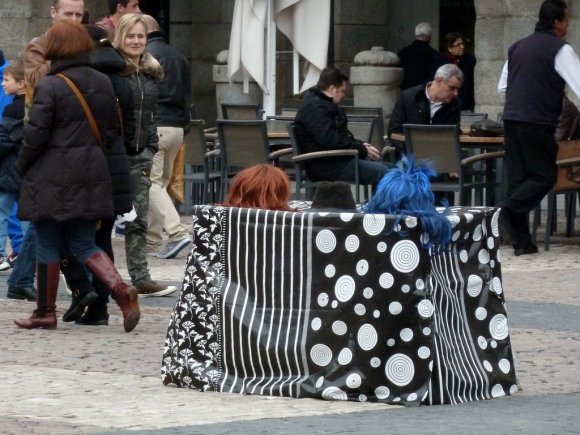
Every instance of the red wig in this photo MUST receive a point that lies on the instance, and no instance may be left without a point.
(260, 186)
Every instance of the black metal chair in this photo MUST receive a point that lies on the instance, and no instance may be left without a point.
(299, 158)
(201, 168)
(442, 146)
(242, 143)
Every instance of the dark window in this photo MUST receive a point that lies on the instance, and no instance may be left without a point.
(158, 10)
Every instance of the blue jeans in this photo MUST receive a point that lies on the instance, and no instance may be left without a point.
(368, 172)
(16, 229)
(7, 200)
(23, 273)
(78, 234)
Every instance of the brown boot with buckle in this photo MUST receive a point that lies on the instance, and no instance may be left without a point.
(44, 316)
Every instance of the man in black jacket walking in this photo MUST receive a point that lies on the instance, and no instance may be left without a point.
(321, 125)
(172, 118)
(416, 59)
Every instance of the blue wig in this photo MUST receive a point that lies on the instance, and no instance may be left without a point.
(406, 191)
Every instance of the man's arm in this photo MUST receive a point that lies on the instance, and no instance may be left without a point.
(322, 128)
(398, 117)
(502, 85)
(568, 66)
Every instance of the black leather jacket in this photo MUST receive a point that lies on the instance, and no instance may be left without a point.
(145, 90)
(322, 125)
(175, 89)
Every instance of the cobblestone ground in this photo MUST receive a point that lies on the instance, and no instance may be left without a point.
(99, 379)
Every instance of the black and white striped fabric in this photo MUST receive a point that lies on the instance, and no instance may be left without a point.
(339, 306)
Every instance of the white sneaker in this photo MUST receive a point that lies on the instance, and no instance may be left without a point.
(173, 248)
(4, 264)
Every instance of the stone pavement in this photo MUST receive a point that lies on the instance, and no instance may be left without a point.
(101, 380)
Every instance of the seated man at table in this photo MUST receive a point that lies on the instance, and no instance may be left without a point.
(435, 102)
(321, 125)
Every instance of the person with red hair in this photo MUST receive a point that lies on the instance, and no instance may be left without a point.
(260, 186)
(66, 184)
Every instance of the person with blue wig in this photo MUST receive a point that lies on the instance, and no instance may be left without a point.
(406, 191)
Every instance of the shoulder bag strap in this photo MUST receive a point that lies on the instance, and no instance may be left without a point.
(86, 108)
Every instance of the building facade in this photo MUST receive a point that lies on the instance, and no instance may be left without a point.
(201, 29)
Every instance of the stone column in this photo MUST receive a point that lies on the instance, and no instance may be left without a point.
(232, 93)
(375, 79)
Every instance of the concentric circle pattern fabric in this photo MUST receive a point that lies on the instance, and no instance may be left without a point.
(340, 307)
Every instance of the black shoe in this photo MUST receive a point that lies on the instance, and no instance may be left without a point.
(22, 293)
(78, 304)
(94, 318)
(505, 227)
(530, 248)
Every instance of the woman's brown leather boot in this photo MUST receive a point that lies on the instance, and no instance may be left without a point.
(126, 296)
(44, 316)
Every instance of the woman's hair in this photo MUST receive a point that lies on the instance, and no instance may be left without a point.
(16, 70)
(451, 37)
(406, 191)
(66, 39)
(126, 23)
(260, 186)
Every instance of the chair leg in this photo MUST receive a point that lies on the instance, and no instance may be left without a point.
(549, 220)
(570, 213)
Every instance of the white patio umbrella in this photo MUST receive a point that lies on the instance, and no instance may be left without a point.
(253, 41)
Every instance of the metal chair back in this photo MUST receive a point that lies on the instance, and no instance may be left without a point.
(200, 169)
(378, 135)
(288, 112)
(241, 111)
(438, 143)
(242, 144)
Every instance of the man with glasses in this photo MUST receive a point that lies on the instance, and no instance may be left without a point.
(435, 102)
(456, 43)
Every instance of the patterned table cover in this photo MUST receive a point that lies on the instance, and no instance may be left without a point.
(341, 306)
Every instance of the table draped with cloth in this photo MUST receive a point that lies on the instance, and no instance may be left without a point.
(341, 306)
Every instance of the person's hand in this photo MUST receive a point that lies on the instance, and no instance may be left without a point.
(372, 152)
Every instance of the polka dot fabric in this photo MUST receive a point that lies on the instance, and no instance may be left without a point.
(341, 306)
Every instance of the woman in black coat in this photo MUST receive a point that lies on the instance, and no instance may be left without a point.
(95, 295)
(66, 187)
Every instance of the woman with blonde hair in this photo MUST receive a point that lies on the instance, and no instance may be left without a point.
(66, 187)
(142, 72)
(260, 186)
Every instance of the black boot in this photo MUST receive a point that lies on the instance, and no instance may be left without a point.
(44, 316)
(83, 293)
(96, 313)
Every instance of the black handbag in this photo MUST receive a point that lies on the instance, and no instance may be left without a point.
(486, 127)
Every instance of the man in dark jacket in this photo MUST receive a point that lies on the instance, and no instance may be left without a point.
(416, 59)
(533, 78)
(321, 125)
(433, 103)
(172, 118)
